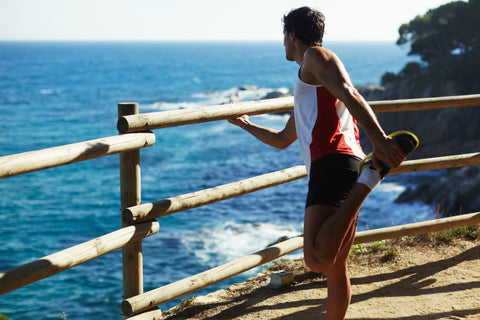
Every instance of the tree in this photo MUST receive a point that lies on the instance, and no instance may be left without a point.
(443, 32)
(447, 39)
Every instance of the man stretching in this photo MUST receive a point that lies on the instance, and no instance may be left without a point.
(326, 109)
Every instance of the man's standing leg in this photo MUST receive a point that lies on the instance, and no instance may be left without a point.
(327, 229)
(338, 281)
(329, 233)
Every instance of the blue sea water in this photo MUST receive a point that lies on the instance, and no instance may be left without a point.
(64, 92)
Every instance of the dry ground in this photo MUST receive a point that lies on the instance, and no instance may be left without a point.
(423, 277)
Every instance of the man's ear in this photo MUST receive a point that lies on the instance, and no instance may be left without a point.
(293, 37)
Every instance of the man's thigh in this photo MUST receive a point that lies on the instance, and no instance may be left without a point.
(315, 216)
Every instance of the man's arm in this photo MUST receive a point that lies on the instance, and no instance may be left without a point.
(321, 66)
(280, 139)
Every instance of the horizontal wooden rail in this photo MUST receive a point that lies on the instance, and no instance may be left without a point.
(188, 285)
(149, 211)
(418, 228)
(177, 289)
(153, 210)
(26, 162)
(425, 103)
(445, 162)
(68, 258)
(172, 118)
(148, 315)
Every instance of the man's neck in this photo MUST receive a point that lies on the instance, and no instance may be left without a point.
(301, 53)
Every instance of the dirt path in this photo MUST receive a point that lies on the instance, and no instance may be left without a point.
(408, 279)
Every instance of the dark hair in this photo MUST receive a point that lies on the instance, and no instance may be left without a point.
(307, 24)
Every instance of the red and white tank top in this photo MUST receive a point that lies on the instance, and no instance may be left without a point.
(323, 123)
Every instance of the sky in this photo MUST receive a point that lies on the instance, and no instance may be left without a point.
(217, 20)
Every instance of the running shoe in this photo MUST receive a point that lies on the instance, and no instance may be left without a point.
(407, 142)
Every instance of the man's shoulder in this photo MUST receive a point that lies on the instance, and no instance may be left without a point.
(319, 54)
(318, 59)
(318, 62)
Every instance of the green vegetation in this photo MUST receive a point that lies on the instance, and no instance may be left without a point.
(383, 250)
(374, 247)
(447, 39)
(388, 250)
(186, 302)
(278, 264)
(378, 245)
(468, 233)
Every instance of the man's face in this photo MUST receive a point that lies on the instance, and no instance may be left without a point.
(289, 47)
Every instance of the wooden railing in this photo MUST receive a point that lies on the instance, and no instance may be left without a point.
(138, 220)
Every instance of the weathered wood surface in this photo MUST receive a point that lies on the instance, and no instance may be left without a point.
(425, 103)
(148, 315)
(165, 119)
(192, 200)
(436, 163)
(31, 161)
(130, 195)
(177, 289)
(417, 228)
(152, 210)
(68, 258)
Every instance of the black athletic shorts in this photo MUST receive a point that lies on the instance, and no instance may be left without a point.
(332, 178)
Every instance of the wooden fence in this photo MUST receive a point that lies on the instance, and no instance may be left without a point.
(138, 220)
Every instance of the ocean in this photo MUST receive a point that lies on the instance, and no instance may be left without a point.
(55, 93)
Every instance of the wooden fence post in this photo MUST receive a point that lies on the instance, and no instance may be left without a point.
(130, 194)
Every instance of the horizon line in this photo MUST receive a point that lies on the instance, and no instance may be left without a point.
(183, 40)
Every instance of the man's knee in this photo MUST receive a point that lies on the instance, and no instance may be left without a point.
(318, 263)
